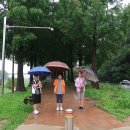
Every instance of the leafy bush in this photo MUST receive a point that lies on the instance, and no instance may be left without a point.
(8, 83)
(70, 84)
(111, 98)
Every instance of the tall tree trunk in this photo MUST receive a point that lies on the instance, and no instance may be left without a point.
(31, 66)
(31, 76)
(71, 63)
(13, 72)
(72, 75)
(80, 54)
(64, 73)
(94, 49)
(94, 44)
(20, 80)
(35, 61)
(69, 77)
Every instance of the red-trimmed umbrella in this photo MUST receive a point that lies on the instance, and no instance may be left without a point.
(57, 66)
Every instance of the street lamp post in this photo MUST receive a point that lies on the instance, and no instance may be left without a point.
(3, 54)
(3, 48)
(8, 26)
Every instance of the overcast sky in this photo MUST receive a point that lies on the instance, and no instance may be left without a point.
(126, 1)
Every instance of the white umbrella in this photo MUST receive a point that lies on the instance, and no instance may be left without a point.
(87, 73)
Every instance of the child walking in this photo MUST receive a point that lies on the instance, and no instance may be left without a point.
(59, 90)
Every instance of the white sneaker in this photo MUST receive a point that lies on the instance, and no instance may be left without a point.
(61, 108)
(57, 108)
(36, 112)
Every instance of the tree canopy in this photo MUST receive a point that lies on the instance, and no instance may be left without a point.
(87, 33)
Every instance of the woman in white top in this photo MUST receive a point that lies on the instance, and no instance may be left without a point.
(36, 94)
(80, 83)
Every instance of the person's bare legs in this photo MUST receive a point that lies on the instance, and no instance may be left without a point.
(61, 102)
(38, 107)
(81, 102)
(34, 106)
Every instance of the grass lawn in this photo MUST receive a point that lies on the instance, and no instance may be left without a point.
(13, 110)
(112, 99)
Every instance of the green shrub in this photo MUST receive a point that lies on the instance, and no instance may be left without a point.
(8, 83)
(70, 84)
(111, 98)
(122, 103)
(13, 110)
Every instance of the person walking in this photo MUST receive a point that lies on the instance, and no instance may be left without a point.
(36, 93)
(80, 83)
(59, 90)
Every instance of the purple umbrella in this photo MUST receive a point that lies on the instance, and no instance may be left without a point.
(87, 73)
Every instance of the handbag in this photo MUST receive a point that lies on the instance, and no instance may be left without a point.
(37, 91)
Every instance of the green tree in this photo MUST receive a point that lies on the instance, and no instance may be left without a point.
(21, 13)
(117, 69)
(87, 32)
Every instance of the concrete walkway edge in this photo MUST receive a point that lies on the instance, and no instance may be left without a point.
(41, 127)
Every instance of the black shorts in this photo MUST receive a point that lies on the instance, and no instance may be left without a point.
(36, 99)
(59, 98)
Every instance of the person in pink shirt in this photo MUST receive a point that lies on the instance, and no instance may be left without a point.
(80, 83)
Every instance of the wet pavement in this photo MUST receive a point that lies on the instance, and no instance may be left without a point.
(90, 118)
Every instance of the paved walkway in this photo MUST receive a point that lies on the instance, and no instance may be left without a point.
(41, 127)
(90, 118)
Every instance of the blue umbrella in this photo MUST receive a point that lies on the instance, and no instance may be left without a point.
(40, 70)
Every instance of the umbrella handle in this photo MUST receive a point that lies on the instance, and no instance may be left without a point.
(88, 75)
